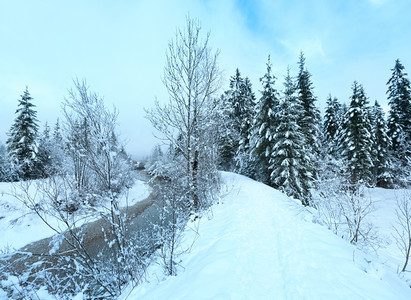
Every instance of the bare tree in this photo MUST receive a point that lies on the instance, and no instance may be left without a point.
(192, 79)
(355, 208)
(345, 212)
(92, 139)
(402, 232)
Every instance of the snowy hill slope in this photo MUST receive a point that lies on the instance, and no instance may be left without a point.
(257, 245)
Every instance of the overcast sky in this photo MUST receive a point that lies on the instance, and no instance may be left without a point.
(119, 48)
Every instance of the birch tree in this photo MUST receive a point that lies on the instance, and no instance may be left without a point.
(192, 79)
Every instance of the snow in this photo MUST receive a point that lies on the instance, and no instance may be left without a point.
(260, 244)
(384, 218)
(256, 243)
(19, 226)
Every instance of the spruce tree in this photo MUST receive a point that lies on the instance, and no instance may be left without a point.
(381, 142)
(357, 138)
(236, 99)
(332, 120)
(289, 160)
(58, 150)
(22, 143)
(232, 101)
(264, 126)
(399, 121)
(44, 154)
(342, 128)
(4, 172)
(57, 137)
(227, 138)
(244, 162)
(310, 120)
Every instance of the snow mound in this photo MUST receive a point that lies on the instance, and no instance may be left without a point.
(258, 245)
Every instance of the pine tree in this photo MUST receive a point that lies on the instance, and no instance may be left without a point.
(399, 121)
(232, 102)
(236, 99)
(8, 171)
(58, 151)
(289, 158)
(332, 122)
(244, 163)
(381, 142)
(237, 110)
(226, 140)
(342, 128)
(310, 120)
(22, 144)
(57, 137)
(357, 138)
(43, 163)
(4, 172)
(264, 126)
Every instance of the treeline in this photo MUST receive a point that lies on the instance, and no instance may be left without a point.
(281, 139)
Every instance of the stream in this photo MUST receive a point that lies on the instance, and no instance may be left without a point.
(142, 218)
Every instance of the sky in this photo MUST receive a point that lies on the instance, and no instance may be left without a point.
(119, 48)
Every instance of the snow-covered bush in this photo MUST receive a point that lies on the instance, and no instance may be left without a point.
(342, 208)
(172, 192)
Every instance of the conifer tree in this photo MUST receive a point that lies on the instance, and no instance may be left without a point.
(289, 159)
(4, 172)
(236, 99)
(232, 110)
(226, 135)
(332, 122)
(8, 171)
(399, 121)
(57, 137)
(58, 156)
(342, 128)
(244, 163)
(44, 153)
(381, 142)
(264, 125)
(22, 143)
(310, 119)
(357, 138)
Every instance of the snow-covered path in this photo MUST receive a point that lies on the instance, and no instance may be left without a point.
(257, 245)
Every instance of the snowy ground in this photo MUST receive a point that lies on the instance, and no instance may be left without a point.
(19, 226)
(256, 244)
(384, 218)
(259, 244)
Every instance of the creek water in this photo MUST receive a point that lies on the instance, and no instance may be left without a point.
(142, 220)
